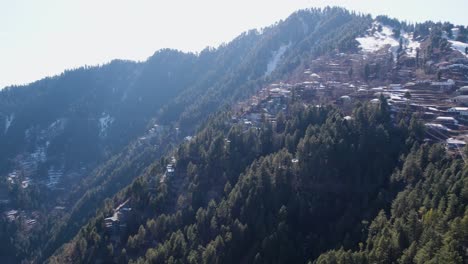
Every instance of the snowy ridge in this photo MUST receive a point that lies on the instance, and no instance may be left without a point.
(460, 46)
(376, 40)
(276, 58)
(456, 45)
(409, 45)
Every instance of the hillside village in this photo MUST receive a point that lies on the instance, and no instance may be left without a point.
(437, 92)
(438, 98)
(441, 105)
(30, 172)
(438, 95)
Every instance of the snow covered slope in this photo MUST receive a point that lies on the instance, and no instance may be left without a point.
(380, 37)
(276, 58)
(460, 46)
(104, 122)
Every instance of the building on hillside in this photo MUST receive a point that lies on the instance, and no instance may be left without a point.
(438, 127)
(463, 111)
(170, 170)
(448, 121)
(344, 100)
(461, 99)
(395, 86)
(455, 144)
(445, 86)
(315, 76)
(463, 90)
(428, 116)
(11, 215)
(117, 223)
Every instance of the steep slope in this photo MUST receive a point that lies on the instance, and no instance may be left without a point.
(253, 189)
(131, 113)
(428, 220)
(304, 181)
(95, 106)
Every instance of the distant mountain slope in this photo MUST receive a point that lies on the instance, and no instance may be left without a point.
(98, 107)
(154, 143)
(115, 102)
(240, 194)
(77, 120)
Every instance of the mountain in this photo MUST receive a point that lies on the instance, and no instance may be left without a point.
(280, 146)
(254, 191)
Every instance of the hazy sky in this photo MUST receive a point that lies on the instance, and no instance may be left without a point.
(40, 38)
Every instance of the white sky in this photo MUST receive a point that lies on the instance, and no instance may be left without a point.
(40, 38)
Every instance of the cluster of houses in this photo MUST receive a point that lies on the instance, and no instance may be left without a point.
(116, 224)
(268, 102)
(27, 166)
(27, 219)
(438, 105)
(442, 105)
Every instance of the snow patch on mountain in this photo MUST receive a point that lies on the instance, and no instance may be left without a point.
(409, 45)
(8, 121)
(54, 129)
(104, 122)
(271, 66)
(376, 40)
(460, 46)
(305, 27)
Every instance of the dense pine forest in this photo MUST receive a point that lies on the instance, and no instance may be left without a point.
(88, 121)
(158, 165)
(367, 187)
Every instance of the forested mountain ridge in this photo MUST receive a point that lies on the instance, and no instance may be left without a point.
(290, 187)
(302, 188)
(60, 131)
(107, 98)
(428, 220)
